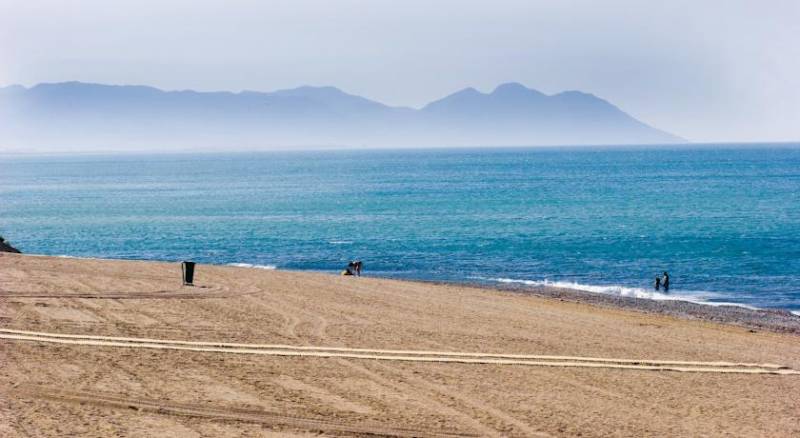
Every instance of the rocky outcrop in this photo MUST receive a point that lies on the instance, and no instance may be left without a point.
(6, 247)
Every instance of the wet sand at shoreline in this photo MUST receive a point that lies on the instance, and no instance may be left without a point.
(53, 389)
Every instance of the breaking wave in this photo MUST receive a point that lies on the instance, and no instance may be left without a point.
(249, 265)
(697, 297)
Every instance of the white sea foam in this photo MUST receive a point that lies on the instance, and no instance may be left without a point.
(249, 265)
(64, 256)
(796, 312)
(697, 297)
(340, 242)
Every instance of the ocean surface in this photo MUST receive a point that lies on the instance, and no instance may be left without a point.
(724, 221)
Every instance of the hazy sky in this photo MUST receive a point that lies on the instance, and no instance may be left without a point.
(705, 70)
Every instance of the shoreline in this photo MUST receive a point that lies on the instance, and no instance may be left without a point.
(742, 315)
(773, 320)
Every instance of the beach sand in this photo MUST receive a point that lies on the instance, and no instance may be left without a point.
(137, 390)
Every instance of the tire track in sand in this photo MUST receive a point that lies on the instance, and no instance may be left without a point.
(457, 397)
(400, 355)
(221, 412)
(419, 395)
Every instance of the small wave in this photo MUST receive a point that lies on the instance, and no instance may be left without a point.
(249, 265)
(340, 242)
(697, 297)
(795, 312)
(64, 256)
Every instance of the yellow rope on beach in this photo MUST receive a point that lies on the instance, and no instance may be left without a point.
(390, 352)
(398, 355)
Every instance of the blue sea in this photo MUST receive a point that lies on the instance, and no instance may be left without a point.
(723, 220)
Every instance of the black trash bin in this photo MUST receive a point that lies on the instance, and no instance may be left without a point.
(188, 273)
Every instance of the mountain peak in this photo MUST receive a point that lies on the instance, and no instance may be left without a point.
(332, 97)
(510, 86)
(467, 91)
(515, 89)
(464, 97)
(310, 90)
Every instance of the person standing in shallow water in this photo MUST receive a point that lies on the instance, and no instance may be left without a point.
(665, 282)
(358, 266)
(658, 283)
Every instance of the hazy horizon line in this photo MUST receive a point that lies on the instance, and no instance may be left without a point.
(688, 145)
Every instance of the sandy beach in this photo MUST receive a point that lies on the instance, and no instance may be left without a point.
(121, 348)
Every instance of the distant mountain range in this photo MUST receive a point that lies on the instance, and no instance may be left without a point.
(83, 116)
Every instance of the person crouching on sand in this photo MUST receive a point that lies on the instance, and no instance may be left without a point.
(353, 268)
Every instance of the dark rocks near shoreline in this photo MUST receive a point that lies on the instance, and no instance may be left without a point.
(6, 247)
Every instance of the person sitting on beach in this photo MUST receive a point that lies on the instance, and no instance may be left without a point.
(665, 282)
(658, 282)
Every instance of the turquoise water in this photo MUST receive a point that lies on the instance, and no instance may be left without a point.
(724, 222)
